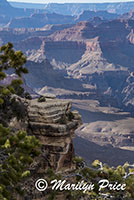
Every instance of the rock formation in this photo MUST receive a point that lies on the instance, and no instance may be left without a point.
(53, 123)
(49, 122)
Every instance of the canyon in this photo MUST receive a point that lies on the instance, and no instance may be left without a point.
(99, 61)
(86, 57)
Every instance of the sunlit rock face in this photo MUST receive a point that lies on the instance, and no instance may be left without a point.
(50, 123)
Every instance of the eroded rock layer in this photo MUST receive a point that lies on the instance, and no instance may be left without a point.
(53, 123)
(50, 122)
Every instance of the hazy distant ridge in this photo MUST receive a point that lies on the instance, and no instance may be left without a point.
(77, 8)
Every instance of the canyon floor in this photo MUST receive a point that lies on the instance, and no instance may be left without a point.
(106, 134)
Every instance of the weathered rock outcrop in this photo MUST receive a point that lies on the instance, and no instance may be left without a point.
(53, 123)
(50, 122)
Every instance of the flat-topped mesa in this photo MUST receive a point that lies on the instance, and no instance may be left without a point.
(53, 123)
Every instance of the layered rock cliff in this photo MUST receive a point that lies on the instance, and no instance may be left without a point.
(53, 123)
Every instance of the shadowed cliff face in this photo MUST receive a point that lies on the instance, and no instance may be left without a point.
(63, 52)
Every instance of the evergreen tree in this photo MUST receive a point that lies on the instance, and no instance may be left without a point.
(17, 149)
